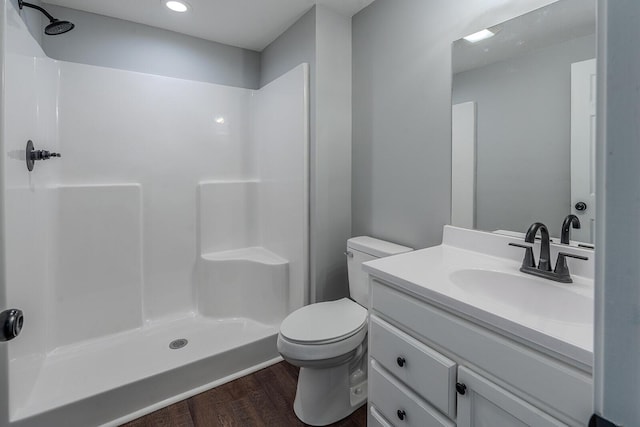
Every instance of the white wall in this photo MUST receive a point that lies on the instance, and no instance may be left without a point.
(264, 220)
(463, 164)
(29, 96)
(34, 20)
(280, 112)
(96, 274)
(402, 112)
(167, 140)
(145, 161)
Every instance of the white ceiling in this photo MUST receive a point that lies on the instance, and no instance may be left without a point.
(251, 24)
(552, 24)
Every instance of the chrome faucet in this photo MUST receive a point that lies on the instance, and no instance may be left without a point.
(570, 220)
(561, 271)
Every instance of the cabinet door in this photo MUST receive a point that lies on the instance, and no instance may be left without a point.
(484, 404)
(375, 419)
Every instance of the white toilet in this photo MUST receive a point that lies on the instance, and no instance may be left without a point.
(328, 341)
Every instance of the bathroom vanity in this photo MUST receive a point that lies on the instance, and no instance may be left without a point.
(459, 336)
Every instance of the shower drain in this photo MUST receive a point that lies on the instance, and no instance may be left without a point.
(179, 343)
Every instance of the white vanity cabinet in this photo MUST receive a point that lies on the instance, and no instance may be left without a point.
(429, 366)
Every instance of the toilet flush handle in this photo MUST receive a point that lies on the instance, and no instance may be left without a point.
(349, 254)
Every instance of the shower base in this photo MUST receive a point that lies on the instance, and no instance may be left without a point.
(116, 379)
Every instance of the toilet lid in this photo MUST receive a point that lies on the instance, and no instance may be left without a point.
(324, 322)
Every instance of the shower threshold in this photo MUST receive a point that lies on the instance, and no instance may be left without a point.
(118, 378)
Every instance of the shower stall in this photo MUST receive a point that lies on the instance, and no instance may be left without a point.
(158, 255)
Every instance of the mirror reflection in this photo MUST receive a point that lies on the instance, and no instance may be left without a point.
(524, 122)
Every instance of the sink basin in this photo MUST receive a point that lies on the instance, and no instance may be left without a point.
(475, 274)
(530, 295)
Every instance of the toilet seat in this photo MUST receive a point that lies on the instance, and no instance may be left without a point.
(320, 331)
(324, 322)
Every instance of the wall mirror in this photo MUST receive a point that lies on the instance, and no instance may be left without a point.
(523, 122)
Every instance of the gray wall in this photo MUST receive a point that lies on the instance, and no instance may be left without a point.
(524, 133)
(116, 43)
(291, 48)
(331, 208)
(402, 112)
(617, 296)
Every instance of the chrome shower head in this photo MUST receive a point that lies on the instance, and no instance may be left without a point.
(55, 26)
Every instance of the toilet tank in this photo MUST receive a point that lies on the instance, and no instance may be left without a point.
(362, 249)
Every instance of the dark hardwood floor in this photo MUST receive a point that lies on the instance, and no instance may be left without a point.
(264, 398)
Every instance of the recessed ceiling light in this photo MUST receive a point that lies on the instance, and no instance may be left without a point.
(480, 35)
(177, 6)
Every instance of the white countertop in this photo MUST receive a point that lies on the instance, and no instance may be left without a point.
(553, 317)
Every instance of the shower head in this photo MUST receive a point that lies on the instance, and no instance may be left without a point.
(58, 27)
(55, 26)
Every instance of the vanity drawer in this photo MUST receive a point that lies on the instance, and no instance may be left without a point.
(397, 403)
(427, 372)
(375, 419)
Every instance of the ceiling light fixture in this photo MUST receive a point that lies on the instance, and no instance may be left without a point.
(480, 35)
(177, 6)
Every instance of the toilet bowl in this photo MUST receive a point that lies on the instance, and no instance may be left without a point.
(328, 341)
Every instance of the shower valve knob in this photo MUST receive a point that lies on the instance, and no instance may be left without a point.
(32, 155)
(43, 155)
(10, 324)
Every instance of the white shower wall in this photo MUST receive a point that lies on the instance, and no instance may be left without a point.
(168, 135)
(279, 120)
(162, 133)
(112, 237)
(29, 112)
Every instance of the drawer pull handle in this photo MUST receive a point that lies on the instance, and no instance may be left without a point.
(401, 361)
(401, 414)
(461, 388)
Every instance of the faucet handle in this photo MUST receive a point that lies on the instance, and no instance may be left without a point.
(562, 269)
(528, 260)
(583, 258)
